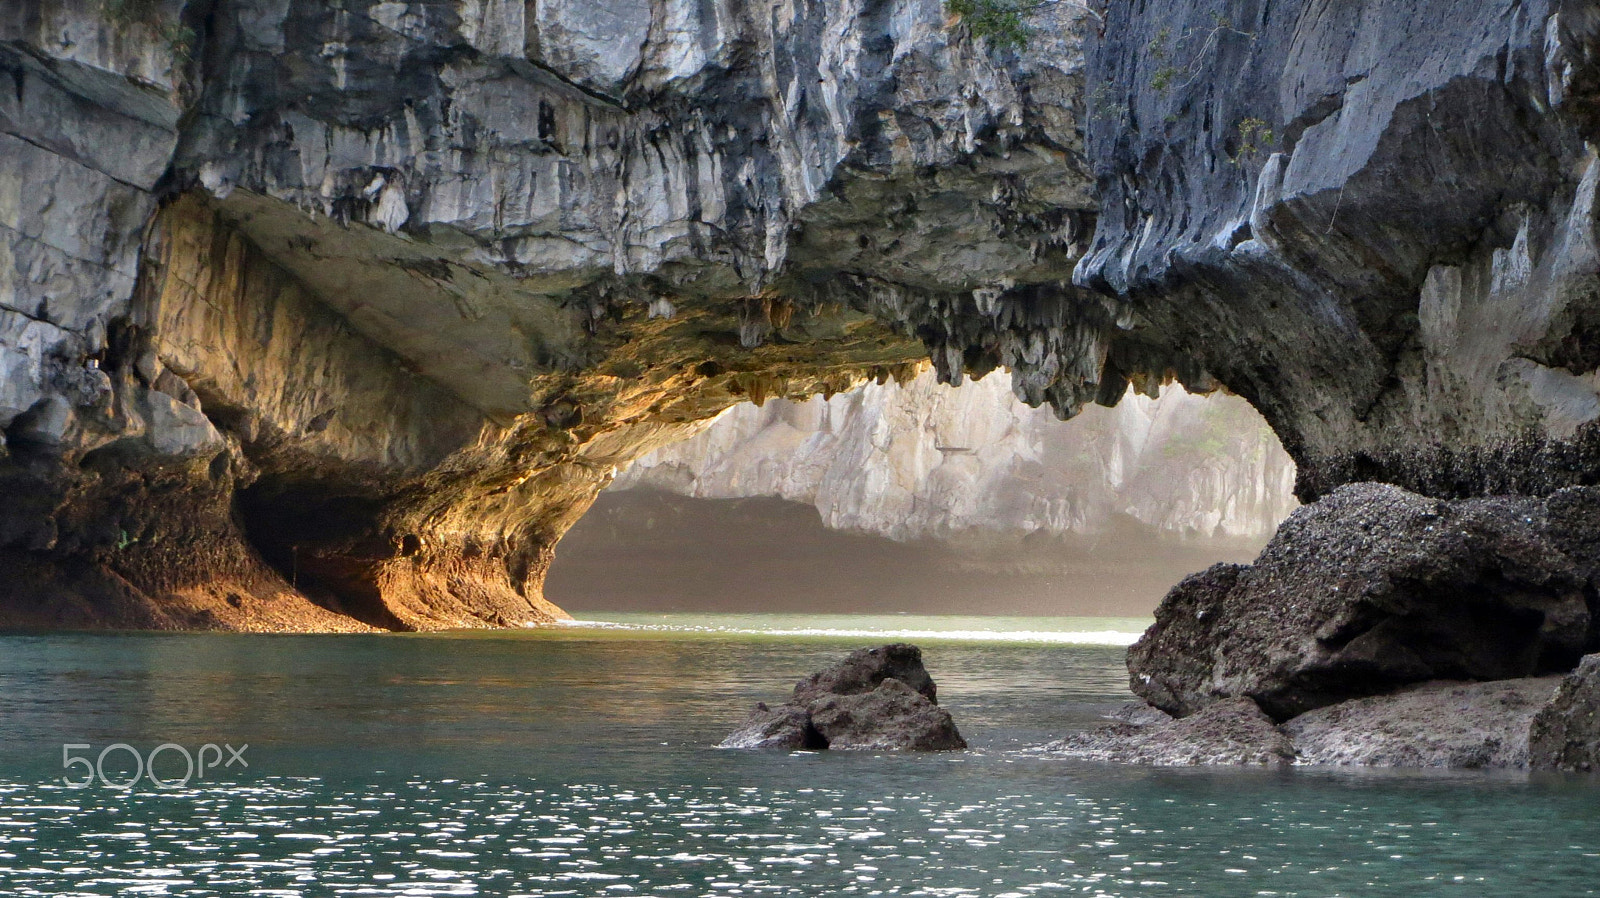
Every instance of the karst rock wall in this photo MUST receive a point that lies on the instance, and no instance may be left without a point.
(326, 315)
(926, 461)
(1375, 220)
(338, 314)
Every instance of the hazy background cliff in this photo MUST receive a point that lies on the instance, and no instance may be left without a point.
(929, 495)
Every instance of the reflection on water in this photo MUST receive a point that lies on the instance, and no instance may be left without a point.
(578, 762)
(1120, 631)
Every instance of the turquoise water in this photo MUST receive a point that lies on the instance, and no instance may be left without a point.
(579, 761)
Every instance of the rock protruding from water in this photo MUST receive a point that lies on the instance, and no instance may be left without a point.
(1566, 733)
(786, 726)
(1233, 732)
(877, 699)
(865, 669)
(1504, 724)
(1372, 589)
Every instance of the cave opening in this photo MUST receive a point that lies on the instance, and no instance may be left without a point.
(929, 499)
(321, 539)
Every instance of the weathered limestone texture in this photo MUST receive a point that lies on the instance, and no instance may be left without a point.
(1231, 733)
(1438, 724)
(338, 315)
(319, 314)
(926, 461)
(1374, 220)
(1444, 725)
(1373, 588)
(1565, 734)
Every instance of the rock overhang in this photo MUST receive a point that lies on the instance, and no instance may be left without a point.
(577, 250)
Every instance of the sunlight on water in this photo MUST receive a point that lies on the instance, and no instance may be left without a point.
(581, 761)
(1111, 631)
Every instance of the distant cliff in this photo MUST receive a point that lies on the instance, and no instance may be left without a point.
(929, 461)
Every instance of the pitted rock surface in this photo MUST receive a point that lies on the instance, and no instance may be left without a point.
(1374, 588)
(874, 699)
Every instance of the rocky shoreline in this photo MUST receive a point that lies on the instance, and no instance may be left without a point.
(1380, 628)
(1438, 724)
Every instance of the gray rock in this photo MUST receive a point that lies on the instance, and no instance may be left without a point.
(405, 255)
(864, 669)
(787, 727)
(1380, 230)
(1565, 735)
(1368, 590)
(1233, 732)
(875, 699)
(1447, 724)
(1380, 233)
(892, 716)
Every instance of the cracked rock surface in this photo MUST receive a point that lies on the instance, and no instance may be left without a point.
(1517, 724)
(336, 316)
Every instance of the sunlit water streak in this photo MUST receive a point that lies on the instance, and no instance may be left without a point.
(578, 762)
(1056, 631)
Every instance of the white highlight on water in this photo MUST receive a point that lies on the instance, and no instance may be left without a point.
(1063, 637)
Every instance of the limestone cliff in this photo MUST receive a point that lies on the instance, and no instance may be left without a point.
(319, 314)
(1376, 221)
(339, 314)
(925, 461)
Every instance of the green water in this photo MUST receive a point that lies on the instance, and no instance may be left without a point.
(579, 761)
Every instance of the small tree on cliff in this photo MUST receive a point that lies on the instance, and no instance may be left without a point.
(1006, 22)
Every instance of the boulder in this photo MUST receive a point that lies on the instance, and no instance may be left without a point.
(1374, 588)
(880, 698)
(1231, 732)
(1565, 734)
(1443, 724)
(892, 716)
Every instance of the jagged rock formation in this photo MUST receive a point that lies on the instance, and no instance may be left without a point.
(1376, 221)
(1233, 732)
(1565, 735)
(364, 302)
(1373, 588)
(875, 699)
(926, 461)
(1449, 725)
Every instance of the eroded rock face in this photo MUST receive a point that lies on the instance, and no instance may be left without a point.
(787, 726)
(1442, 724)
(928, 461)
(1373, 588)
(865, 669)
(523, 244)
(875, 699)
(1566, 733)
(893, 716)
(1374, 220)
(351, 309)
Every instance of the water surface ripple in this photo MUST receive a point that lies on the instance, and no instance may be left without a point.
(579, 762)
